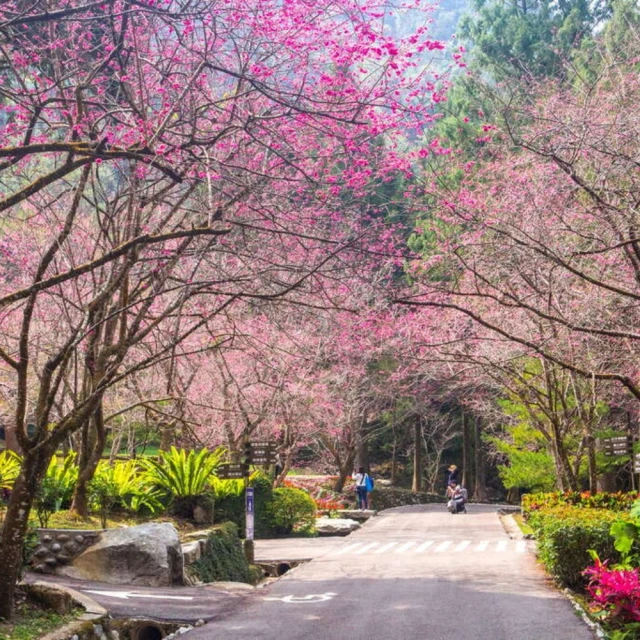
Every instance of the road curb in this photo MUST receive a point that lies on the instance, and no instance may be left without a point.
(93, 610)
(511, 526)
(595, 627)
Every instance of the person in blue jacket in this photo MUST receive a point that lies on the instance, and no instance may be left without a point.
(362, 492)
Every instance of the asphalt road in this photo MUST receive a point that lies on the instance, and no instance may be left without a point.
(164, 604)
(414, 573)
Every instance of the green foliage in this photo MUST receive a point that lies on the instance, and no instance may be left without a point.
(530, 466)
(224, 559)
(30, 621)
(618, 501)
(629, 632)
(56, 488)
(565, 536)
(292, 510)
(226, 488)
(184, 477)
(9, 468)
(64, 475)
(532, 38)
(230, 508)
(122, 485)
(626, 536)
(182, 474)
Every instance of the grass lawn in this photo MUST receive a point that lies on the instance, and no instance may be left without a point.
(68, 520)
(31, 622)
(524, 527)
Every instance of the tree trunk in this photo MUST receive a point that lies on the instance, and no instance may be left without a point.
(394, 458)
(94, 438)
(480, 489)
(467, 454)
(344, 471)
(11, 439)
(15, 525)
(416, 485)
(593, 467)
(362, 451)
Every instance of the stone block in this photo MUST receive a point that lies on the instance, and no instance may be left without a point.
(191, 552)
(149, 554)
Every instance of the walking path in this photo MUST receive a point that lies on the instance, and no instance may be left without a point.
(416, 573)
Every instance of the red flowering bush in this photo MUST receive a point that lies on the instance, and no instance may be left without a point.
(615, 592)
(320, 489)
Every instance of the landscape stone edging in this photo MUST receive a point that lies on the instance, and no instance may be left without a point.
(592, 624)
(93, 612)
(59, 547)
(92, 609)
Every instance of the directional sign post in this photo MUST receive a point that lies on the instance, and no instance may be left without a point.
(262, 452)
(619, 445)
(232, 471)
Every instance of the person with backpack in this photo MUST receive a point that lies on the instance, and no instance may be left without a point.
(364, 485)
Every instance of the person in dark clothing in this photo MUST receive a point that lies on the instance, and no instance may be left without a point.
(452, 474)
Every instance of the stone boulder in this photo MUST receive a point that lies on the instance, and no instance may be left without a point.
(148, 555)
(336, 526)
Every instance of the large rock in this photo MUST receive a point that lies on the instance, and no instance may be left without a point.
(148, 554)
(336, 526)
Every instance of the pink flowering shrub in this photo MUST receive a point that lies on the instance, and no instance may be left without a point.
(615, 592)
(320, 489)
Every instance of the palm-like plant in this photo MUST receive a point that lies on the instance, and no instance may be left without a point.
(122, 485)
(9, 468)
(184, 477)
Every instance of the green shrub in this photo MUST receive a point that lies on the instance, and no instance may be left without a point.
(565, 535)
(56, 489)
(184, 477)
(224, 559)
(292, 509)
(123, 486)
(230, 508)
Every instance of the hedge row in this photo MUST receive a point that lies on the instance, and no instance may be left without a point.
(566, 533)
(619, 501)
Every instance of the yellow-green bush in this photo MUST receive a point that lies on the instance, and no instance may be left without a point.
(565, 534)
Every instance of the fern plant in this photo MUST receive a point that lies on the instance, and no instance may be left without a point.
(185, 477)
(9, 468)
(56, 488)
(123, 486)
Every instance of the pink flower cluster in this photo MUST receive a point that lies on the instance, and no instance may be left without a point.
(615, 591)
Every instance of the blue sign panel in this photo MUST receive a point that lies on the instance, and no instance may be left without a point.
(250, 505)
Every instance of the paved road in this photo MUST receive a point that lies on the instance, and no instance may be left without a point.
(414, 573)
(168, 604)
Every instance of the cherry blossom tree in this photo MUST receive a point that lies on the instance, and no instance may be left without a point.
(539, 244)
(161, 162)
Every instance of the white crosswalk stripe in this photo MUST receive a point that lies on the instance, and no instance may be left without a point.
(426, 547)
(344, 550)
(386, 547)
